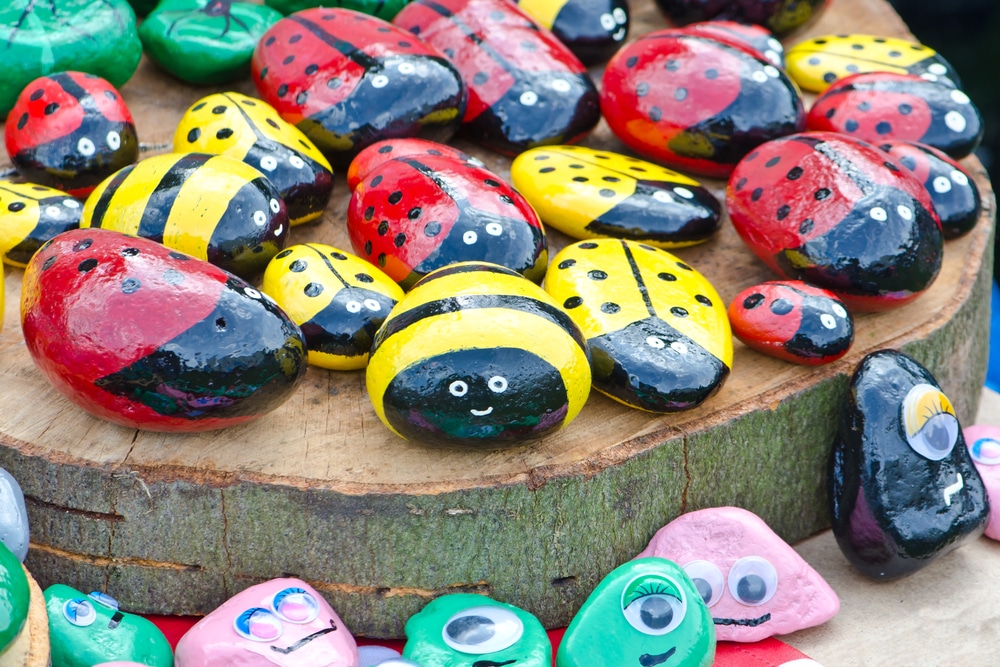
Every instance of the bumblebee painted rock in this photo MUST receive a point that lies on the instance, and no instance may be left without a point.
(794, 321)
(412, 215)
(477, 356)
(587, 193)
(153, 339)
(903, 489)
(30, 215)
(390, 149)
(759, 40)
(657, 330)
(252, 131)
(70, 131)
(592, 29)
(210, 206)
(338, 300)
(779, 16)
(816, 63)
(348, 80)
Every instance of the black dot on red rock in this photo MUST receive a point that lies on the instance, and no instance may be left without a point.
(490, 182)
(497, 16)
(711, 73)
(80, 246)
(22, 121)
(751, 157)
(263, 73)
(395, 197)
(680, 94)
(311, 69)
(87, 265)
(269, 41)
(178, 256)
(567, 263)
(381, 260)
(781, 306)
(375, 181)
(610, 308)
(405, 44)
(865, 106)
(383, 228)
(905, 109)
(672, 65)
(851, 125)
(677, 311)
(369, 213)
(47, 264)
(756, 194)
(794, 173)
(399, 240)
(480, 78)
(385, 149)
(784, 211)
(773, 161)
(288, 60)
(51, 108)
(909, 162)
(573, 302)
(173, 277)
(301, 98)
(703, 300)
(753, 301)
(890, 166)
(282, 90)
(313, 289)
(830, 113)
(432, 229)
(884, 127)
(434, 151)
(37, 95)
(806, 226)
(642, 89)
(368, 247)
(655, 114)
(298, 266)
(364, 278)
(224, 133)
(414, 213)
(822, 194)
(605, 192)
(669, 277)
(16, 206)
(631, 61)
(130, 286)
(506, 200)
(829, 77)
(334, 83)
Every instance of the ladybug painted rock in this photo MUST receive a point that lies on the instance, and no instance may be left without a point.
(758, 39)
(592, 29)
(525, 88)
(778, 16)
(252, 131)
(30, 215)
(412, 215)
(476, 355)
(347, 80)
(882, 106)
(338, 300)
(586, 193)
(816, 63)
(794, 321)
(150, 338)
(696, 104)
(954, 193)
(836, 213)
(210, 206)
(70, 131)
(390, 149)
(657, 330)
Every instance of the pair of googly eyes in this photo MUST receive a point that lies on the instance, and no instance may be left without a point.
(480, 630)
(265, 624)
(752, 580)
(81, 611)
(497, 384)
(270, 163)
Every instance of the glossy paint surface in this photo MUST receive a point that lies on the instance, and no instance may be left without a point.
(592, 29)
(30, 215)
(383, 9)
(779, 16)
(758, 39)
(983, 442)
(390, 149)
(14, 597)
(13, 516)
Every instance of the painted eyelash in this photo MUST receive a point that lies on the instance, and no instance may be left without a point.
(937, 408)
(645, 590)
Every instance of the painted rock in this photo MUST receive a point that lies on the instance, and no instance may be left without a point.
(59, 35)
(383, 9)
(754, 584)
(15, 597)
(390, 149)
(884, 106)
(143, 7)
(983, 442)
(412, 215)
(477, 355)
(758, 39)
(778, 16)
(463, 628)
(645, 612)
(903, 489)
(338, 300)
(834, 212)
(213, 207)
(153, 339)
(765, 653)
(326, 70)
(30, 215)
(951, 188)
(282, 622)
(794, 321)
(695, 103)
(251, 130)
(592, 29)
(371, 655)
(657, 330)
(13, 516)
(89, 629)
(818, 62)
(525, 88)
(587, 193)
(70, 131)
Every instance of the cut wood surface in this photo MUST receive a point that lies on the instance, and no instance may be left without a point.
(322, 490)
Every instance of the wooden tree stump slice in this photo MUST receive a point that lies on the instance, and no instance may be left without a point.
(320, 489)
(31, 648)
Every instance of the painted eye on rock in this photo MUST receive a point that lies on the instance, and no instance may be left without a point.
(71, 203)
(529, 98)
(373, 305)
(480, 630)
(268, 163)
(85, 146)
(608, 22)
(494, 229)
(79, 612)
(258, 624)
(53, 211)
(561, 86)
(986, 451)
(259, 218)
(653, 605)
(929, 422)
(752, 581)
(353, 306)
(497, 384)
(707, 579)
(114, 140)
(275, 206)
(252, 293)
(828, 321)
(458, 388)
(469, 238)
(839, 310)
(406, 68)
(663, 197)
(942, 184)
(878, 213)
(655, 343)
(904, 212)
(296, 162)
(380, 81)
(295, 605)
(959, 177)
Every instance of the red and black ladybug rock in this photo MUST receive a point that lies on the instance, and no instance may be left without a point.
(779, 16)
(150, 338)
(348, 80)
(758, 39)
(840, 214)
(883, 106)
(954, 193)
(695, 103)
(390, 149)
(70, 131)
(414, 214)
(525, 87)
(793, 321)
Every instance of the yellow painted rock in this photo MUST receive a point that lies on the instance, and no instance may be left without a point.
(30, 215)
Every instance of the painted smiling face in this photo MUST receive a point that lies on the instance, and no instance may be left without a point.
(282, 622)
(984, 446)
(754, 584)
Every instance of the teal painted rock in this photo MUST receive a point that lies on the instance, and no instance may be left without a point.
(465, 629)
(206, 42)
(384, 9)
(14, 597)
(82, 35)
(143, 7)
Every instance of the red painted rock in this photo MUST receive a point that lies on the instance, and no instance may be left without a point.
(525, 87)
(883, 106)
(779, 16)
(759, 40)
(839, 214)
(391, 149)
(696, 104)
(765, 653)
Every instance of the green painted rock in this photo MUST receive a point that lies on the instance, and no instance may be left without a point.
(14, 597)
(143, 7)
(37, 38)
(205, 42)
(384, 9)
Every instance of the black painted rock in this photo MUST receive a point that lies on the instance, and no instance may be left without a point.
(903, 489)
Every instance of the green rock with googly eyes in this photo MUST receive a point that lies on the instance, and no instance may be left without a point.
(645, 613)
(462, 630)
(14, 597)
(88, 630)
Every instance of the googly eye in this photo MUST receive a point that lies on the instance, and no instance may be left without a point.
(268, 163)
(561, 86)
(878, 213)
(458, 388)
(752, 581)
(373, 305)
(707, 579)
(828, 321)
(941, 184)
(497, 384)
(480, 630)
(528, 98)
(275, 205)
(608, 22)
(653, 605)
(53, 211)
(663, 197)
(494, 229)
(839, 310)
(679, 347)
(380, 81)
(114, 140)
(986, 451)
(937, 68)
(252, 293)
(957, 95)
(620, 15)
(295, 605)
(259, 218)
(955, 121)
(103, 599)
(771, 71)
(929, 422)
(296, 162)
(468, 238)
(72, 203)
(684, 192)
(85, 147)
(80, 612)
(258, 625)
(760, 76)
(353, 306)
(406, 68)
(959, 177)
(905, 212)
(655, 343)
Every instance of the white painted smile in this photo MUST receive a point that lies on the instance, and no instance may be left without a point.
(952, 489)
(482, 413)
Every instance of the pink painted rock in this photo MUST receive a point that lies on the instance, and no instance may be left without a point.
(983, 442)
(282, 622)
(754, 584)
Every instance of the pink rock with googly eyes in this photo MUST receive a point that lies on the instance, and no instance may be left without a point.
(754, 584)
(983, 442)
(282, 622)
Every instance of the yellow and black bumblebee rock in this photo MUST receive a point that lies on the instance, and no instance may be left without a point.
(30, 215)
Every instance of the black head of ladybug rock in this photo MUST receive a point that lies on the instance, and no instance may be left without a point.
(903, 489)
